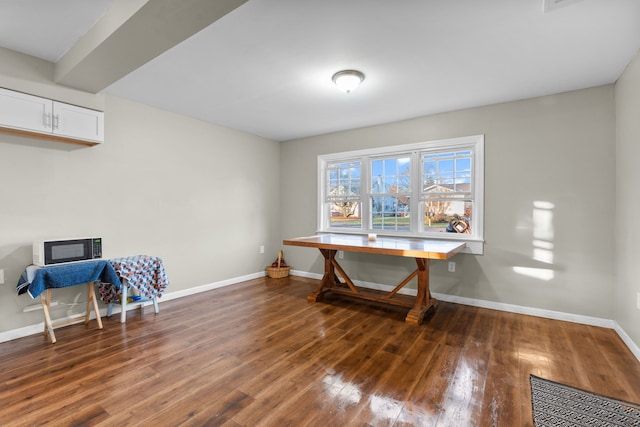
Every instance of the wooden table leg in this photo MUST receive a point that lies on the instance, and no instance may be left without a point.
(92, 303)
(45, 297)
(329, 278)
(424, 302)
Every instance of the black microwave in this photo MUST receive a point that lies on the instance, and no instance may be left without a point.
(48, 252)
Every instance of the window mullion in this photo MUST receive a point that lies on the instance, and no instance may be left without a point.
(416, 190)
(365, 194)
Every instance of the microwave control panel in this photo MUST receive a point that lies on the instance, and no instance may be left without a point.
(97, 248)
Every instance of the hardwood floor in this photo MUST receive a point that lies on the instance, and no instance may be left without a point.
(257, 354)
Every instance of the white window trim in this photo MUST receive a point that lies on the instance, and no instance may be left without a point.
(475, 242)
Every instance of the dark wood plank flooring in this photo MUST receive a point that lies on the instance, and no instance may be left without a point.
(257, 354)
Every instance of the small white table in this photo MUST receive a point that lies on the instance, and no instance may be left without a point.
(144, 273)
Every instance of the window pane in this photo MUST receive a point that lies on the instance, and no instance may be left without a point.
(376, 168)
(391, 176)
(333, 186)
(447, 172)
(346, 215)
(343, 182)
(463, 166)
(445, 166)
(390, 166)
(453, 216)
(391, 213)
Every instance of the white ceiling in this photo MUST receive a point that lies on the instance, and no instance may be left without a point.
(266, 67)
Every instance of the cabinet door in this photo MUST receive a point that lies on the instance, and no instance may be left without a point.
(25, 112)
(77, 122)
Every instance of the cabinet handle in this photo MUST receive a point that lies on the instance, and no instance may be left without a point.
(47, 120)
(56, 121)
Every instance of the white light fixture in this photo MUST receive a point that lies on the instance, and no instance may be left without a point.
(348, 80)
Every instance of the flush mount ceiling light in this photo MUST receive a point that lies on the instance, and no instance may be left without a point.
(348, 80)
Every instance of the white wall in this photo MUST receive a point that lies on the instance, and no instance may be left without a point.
(558, 149)
(627, 251)
(197, 195)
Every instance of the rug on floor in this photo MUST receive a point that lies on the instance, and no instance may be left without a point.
(556, 404)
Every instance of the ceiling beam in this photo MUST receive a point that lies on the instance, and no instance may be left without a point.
(131, 34)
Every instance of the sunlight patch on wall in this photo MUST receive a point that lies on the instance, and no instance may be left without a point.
(543, 232)
(545, 274)
(543, 235)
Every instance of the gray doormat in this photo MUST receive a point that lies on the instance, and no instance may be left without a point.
(556, 404)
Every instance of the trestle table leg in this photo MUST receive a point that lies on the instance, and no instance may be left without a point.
(424, 302)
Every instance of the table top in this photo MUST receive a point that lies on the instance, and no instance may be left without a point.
(398, 246)
(36, 279)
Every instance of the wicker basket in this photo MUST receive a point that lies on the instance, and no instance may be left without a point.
(278, 272)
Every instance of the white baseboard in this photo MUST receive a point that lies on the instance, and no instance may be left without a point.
(22, 332)
(79, 318)
(628, 341)
(38, 328)
(210, 286)
(531, 311)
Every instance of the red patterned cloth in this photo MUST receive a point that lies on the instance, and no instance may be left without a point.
(143, 272)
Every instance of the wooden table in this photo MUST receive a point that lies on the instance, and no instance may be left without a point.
(420, 249)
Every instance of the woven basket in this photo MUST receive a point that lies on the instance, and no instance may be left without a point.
(278, 272)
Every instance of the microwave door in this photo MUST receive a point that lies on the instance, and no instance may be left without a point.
(66, 251)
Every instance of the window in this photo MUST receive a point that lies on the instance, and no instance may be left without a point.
(428, 190)
(390, 194)
(343, 195)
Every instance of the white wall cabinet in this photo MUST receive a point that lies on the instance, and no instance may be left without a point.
(25, 114)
